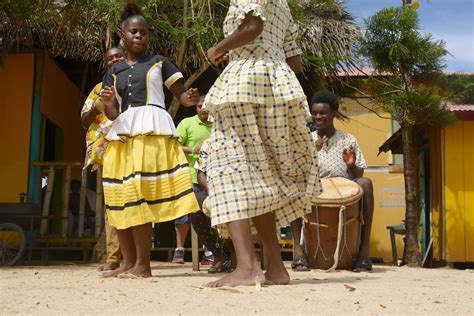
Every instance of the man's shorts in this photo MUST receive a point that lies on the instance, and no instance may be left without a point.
(200, 196)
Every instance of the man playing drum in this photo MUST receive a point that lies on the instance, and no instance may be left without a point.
(339, 156)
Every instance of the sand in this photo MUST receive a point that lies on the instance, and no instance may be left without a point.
(176, 289)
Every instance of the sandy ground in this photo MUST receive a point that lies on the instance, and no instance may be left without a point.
(78, 289)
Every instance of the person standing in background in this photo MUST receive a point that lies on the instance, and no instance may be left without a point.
(94, 120)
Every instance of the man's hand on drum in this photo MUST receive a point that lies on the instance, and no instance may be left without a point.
(349, 157)
(320, 143)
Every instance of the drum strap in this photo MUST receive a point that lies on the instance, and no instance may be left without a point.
(339, 235)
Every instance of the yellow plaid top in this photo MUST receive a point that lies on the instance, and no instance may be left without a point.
(258, 72)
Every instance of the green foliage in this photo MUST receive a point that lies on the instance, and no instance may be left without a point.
(420, 106)
(396, 49)
(84, 29)
(393, 43)
(297, 11)
(460, 88)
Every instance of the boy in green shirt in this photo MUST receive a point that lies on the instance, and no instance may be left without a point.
(192, 131)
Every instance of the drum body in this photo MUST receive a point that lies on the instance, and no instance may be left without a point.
(322, 225)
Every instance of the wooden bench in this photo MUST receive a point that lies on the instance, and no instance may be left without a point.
(60, 243)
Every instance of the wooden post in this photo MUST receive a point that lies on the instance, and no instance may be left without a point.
(47, 201)
(82, 203)
(195, 249)
(65, 214)
(99, 203)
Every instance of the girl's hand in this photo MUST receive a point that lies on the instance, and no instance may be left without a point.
(107, 96)
(216, 57)
(191, 96)
(99, 106)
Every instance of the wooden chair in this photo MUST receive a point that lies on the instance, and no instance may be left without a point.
(396, 230)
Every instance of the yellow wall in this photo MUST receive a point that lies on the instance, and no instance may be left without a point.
(371, 132)
(389, 199)
(16, 99)
(61, 103)
(459, 191)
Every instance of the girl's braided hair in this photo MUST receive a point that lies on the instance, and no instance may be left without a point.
(129, 11)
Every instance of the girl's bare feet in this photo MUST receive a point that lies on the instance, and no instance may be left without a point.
(240, 277)
(109, 266)
(277, 276)
(140, 271)
(124, 268)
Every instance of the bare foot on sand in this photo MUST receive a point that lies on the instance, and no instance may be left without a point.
(141, 272)
(124, 268)
(109, 266)
(277, 276)
(240, 277)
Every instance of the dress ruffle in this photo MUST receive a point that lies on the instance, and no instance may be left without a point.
(142, 120)
(257, 7)
(277, 83)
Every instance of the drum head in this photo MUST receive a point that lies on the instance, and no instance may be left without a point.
(337, 191)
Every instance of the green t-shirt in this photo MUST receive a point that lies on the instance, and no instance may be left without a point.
(193, 132)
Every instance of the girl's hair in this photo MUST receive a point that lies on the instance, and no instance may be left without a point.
(129, 11)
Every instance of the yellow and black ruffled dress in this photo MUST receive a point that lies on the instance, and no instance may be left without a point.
(145, 175)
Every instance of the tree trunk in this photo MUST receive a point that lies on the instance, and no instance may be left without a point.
(412, 252)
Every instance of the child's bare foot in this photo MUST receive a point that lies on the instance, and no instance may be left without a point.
(109, 266)
(277, 276)
(124, 268)
(239, 277)
(141, 272)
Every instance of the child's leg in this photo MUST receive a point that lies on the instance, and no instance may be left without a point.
(248, 267)
(182, 231)
(276, 272)
(142, 239)
(129, 253)
(300, 263)
(296, 230)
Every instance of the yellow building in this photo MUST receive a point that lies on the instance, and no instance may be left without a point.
(455, 214)
(371, 130)
(39, 121)
(446, 186)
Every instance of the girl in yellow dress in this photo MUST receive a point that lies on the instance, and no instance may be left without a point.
(145, 176)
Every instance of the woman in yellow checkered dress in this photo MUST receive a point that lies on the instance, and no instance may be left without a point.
(262, 164)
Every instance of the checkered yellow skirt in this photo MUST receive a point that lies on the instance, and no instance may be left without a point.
(146, 179)
(261, 159)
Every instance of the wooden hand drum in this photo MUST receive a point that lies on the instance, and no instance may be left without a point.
(334, 226)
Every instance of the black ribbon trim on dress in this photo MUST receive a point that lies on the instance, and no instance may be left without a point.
(158, 106)
(144, 174)
(141, 201)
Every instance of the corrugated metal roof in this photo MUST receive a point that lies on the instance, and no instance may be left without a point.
(461, 107)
